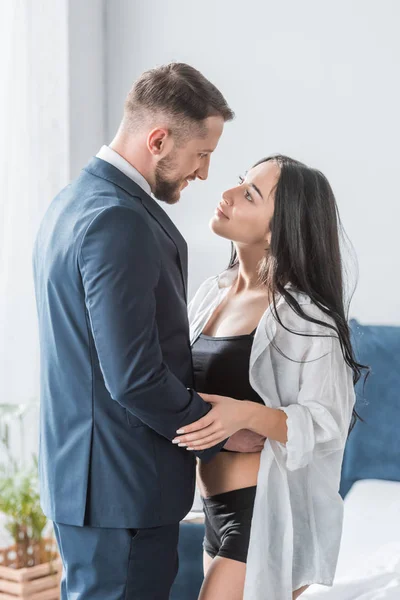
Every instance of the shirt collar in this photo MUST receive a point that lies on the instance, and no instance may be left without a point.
(227, 277)
(109, 155)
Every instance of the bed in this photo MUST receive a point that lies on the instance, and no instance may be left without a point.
(369, 559)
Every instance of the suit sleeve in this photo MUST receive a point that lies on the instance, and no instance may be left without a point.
(120, 265)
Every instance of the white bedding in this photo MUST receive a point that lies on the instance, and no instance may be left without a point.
(369, 559)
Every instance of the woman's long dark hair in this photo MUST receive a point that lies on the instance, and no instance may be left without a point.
(305, 251)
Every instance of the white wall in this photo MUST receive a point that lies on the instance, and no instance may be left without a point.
(53, 56)
(87, 81)
(315, 80)
(33, 167)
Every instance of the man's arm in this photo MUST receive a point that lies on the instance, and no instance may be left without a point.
(120, 266)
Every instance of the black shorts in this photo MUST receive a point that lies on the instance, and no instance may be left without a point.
(228, 522)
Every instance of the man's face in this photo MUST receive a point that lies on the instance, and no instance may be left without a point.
(187, 162)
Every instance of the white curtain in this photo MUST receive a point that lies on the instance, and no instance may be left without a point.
(33, 168)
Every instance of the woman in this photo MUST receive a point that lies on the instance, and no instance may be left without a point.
(276, 320)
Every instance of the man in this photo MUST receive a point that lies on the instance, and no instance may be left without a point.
(116, 373)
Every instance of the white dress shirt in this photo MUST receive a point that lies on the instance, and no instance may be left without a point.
(109, 155)
(297, 520)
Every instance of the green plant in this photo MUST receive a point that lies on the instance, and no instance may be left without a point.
(19, 495)
(19, 501)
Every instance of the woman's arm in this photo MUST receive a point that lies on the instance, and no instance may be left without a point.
(316, 424)
(229, 416)
(266, 421)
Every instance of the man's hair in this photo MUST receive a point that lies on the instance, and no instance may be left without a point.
(179, 92)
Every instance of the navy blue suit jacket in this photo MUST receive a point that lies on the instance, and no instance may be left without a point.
(110, 272)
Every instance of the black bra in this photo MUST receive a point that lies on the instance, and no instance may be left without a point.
(221, 366)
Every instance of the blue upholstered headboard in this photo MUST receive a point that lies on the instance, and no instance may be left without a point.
(373, 447)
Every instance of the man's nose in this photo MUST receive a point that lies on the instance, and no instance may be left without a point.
(202, 171)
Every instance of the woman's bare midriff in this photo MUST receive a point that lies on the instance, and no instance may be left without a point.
(226, 472)
(229, 471)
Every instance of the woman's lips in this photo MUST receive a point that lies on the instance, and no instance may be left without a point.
(220, 213)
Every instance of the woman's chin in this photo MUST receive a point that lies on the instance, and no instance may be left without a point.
(214, 225)
(218, 228)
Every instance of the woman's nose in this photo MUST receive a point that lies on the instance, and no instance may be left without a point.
(227, 198)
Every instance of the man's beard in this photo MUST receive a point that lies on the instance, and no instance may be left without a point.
(165, 189)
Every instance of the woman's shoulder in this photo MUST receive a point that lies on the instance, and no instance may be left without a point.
(207, 285)
(214, 284)
(321, 321)
(204, 295)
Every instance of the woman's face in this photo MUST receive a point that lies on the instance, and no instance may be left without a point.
(245, 211)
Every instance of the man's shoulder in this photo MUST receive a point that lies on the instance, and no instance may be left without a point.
(81, 205)
(89, 198)
(92, 190)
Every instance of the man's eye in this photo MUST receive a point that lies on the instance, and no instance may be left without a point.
(203, 155)
(241, 179)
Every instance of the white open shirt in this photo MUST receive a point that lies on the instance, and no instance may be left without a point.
(298, 512)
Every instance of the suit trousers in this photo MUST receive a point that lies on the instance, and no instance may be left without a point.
(117, 564)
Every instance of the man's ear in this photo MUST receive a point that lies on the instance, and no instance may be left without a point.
(159, 142)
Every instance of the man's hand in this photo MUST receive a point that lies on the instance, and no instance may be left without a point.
(245, 440)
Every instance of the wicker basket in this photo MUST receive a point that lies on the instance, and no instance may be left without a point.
(40, 580)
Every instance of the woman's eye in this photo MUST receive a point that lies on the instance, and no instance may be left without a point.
(246, 193)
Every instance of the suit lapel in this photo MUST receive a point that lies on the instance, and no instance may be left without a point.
(103, 169)
(171, 230)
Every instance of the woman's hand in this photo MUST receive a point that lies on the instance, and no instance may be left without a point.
(226, 417)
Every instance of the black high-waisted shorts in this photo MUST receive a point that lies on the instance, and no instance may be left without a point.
(227, 523)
